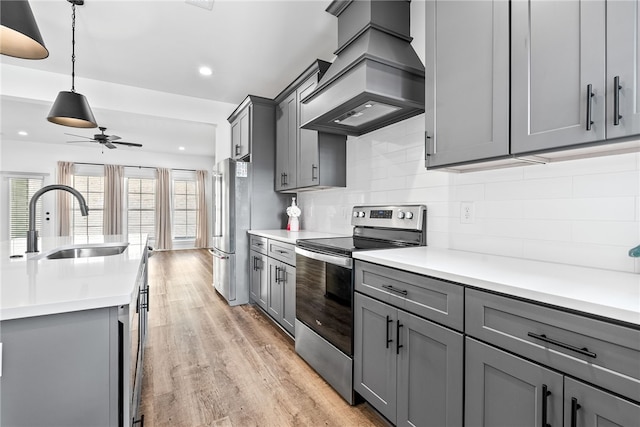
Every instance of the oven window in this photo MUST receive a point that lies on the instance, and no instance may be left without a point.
(323, 300)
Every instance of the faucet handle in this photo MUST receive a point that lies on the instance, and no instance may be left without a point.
(635, 252)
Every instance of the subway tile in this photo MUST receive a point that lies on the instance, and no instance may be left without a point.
(605, 209)
(429, 179)
(487, 245)
(621, 233)
(586, 255)
(607, 185)
(469, 192)
(508, 209)
(548, 188)
(497, 175)
(594, 165)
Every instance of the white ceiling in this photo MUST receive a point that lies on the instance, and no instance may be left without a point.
(253, 47)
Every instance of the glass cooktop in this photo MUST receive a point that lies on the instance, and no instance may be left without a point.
(345, 246)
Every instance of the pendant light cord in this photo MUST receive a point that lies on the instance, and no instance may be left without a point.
(73, 47)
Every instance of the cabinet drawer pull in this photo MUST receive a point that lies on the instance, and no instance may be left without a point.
(584, 351)
(396, 290)
(616, 100)
(574, 411)
(545, 394)
(398, 345)
(387, 326)
(590, 96)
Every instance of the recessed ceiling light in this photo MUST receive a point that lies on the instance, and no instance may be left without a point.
(22, 133)
(181, 148)
(205, 71)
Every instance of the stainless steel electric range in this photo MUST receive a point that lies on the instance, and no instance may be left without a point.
(324, 286)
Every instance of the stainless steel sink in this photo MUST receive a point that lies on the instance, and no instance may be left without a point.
(85, 251)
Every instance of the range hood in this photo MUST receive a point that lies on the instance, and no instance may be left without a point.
(377, 78)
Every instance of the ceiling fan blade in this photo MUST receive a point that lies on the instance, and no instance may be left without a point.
(79, 136)
(129, 144)
(113, 137)
(80, 141)
(109, 145)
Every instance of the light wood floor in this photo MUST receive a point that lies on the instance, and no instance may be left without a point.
(208, 364)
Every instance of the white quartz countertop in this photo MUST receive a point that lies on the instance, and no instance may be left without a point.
(35, 287)
(292, 236)
(605, 293)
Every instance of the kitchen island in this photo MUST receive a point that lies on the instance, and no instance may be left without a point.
(72, 332)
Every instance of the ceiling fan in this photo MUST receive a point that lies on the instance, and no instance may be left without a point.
(106, 140)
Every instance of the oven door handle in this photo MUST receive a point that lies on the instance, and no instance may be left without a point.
(330, 259)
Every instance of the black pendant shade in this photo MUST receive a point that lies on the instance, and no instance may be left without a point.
(72, 109)
(19, 33)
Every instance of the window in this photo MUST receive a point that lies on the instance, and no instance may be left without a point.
(141, 206)
(92, 189)
(184, 208)
(21, 189)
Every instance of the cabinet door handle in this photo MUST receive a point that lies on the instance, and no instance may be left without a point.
(590, 96)
(237, 149)
(389, 340)
(545, 394)
(314, 168)
(277, 274)
(616, 100)
(574, 411)
(286, 180)
(255, 263)
(426, 145)
(542, 337)
(398, 345)
(396, 290)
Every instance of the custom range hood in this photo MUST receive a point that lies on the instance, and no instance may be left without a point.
(377, 78)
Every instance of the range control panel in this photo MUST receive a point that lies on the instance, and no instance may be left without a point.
(399, 216)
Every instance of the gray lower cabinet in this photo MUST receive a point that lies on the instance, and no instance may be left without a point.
(258, 275)
(467, 81)
(408, 368)
(281, 297)
(505, 390)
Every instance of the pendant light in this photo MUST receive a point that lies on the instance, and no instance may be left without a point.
(19, 33)
(72, 108)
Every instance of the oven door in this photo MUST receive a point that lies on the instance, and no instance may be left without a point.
(324, 291)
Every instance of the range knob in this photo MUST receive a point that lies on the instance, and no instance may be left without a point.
(408, 215)
(400, 215)
(361, 214)
(355, 214)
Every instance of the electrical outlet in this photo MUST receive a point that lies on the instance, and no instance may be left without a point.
(467, 214)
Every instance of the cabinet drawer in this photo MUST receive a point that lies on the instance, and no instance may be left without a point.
(282, 251)
(433, 299)
(258, 244)
(596, 351)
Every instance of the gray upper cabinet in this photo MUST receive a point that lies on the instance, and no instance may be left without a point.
(467, 81)
(306, 159)
(558, 87)
(623, 62)
(286, 147)
(252, 126)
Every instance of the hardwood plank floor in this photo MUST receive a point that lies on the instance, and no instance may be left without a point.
(209, 364)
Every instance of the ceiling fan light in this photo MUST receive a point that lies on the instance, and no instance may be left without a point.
(19, 33)
(72, 109)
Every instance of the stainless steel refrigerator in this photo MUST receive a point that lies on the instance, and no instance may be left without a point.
(232, 219)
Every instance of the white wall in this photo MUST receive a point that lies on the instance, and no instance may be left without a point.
(582, 212)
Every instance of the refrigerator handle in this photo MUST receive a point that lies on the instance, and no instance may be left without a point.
(217, 191)
(220, 255)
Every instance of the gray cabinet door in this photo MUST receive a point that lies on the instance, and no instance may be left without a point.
(586, 406)
(259, 278)
(557, 53)
(308, 157)
(430, 379)
(467, 81)
(505, 390)
(286, 137)
(623, 62)
(274, 297)
(374, 354)
(288, 276)
(240, 134)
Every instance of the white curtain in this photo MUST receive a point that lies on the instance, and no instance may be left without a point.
(113, 194)
(63, 200)
(163, 210)
(202, 221)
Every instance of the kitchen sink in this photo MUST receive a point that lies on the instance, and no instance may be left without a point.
(85, 251)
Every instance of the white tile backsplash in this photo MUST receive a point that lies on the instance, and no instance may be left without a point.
(583, 212)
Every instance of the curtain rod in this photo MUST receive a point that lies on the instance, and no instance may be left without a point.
(129, 166)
